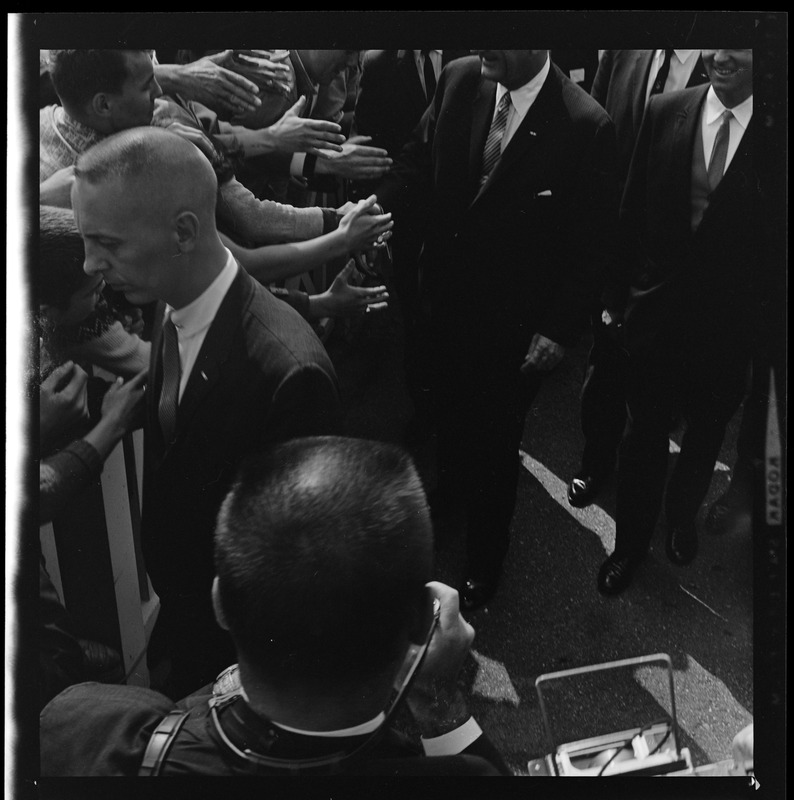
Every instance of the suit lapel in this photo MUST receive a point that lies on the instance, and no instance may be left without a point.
(685, 131)
(215, 349)
(639, 77)
(699, 74)
(155, 378)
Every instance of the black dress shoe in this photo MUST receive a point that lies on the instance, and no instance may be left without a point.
(615, 574)
(583, 489)
(475, 594)
(682, 543)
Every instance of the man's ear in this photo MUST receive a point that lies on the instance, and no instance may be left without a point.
(187, 227)
(101, 105)
(424, 617)
(217, 607)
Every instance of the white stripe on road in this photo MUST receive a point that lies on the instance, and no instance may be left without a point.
(492, 681)
(593, 518)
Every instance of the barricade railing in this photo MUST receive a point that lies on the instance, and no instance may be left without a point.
(92, 552)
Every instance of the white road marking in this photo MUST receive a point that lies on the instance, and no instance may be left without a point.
(593, 518)
(492, 681)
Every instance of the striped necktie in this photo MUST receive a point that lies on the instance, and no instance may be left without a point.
(493, 144)
(719, 154)
(172, 373)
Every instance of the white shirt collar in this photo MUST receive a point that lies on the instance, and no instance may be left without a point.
(714, 109)
(684, 55)
(523, 97)
(356, 730)
(198, 315)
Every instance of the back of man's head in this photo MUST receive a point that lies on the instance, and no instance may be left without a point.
(323, 548)
(78, 75)
(160, 169)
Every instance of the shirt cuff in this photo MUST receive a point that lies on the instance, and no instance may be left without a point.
(453, 742)
(296, 165)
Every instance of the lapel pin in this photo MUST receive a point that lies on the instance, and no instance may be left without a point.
(204, 375)
(532, 133)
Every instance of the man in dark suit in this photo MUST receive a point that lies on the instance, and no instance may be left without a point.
(693, 222)
(623, 83)
(396, 87)
(513, 164)
(324, 550)
(232, 368)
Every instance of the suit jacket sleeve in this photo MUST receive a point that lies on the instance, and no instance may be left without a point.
(406, 190)
(306, 403)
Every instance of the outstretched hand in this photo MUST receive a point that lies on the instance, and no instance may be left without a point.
(209, 82)
(351, 299)
(364, 229)
(342, 298)
(122, 405)
(295, 134)
(356, 161)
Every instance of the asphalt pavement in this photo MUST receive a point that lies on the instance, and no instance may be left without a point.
(547, 615)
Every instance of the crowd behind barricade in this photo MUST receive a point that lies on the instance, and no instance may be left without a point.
(203, 214)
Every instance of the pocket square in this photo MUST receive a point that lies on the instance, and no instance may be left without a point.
(544, 193)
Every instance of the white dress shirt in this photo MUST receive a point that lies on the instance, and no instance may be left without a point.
(193, 320)
(682, 62)
(521, 100)
(711, 120)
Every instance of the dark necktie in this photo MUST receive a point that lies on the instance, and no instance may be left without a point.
(720, 152)
(661, 76)
(172, 372)
(493, 144)
(430, 76)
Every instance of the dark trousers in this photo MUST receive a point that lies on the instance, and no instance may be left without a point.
(603, 400)
(663, 387)
(481, 402)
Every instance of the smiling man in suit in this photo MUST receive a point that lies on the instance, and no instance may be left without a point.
(513, 164)
(693, 222)
(233, 369)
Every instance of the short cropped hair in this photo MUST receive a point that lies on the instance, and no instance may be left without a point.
(78, 75)
(166, 164)
(61, 257)
(323, 547)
